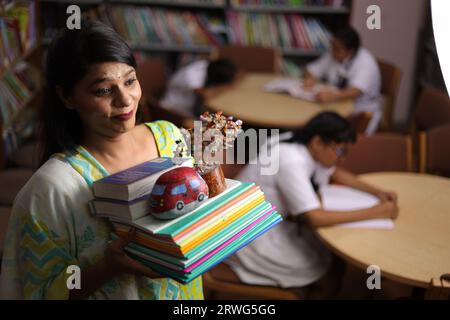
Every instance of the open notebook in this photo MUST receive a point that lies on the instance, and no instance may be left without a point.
(342, 198)
(293, 87)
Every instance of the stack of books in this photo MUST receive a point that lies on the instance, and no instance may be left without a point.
(188, 246)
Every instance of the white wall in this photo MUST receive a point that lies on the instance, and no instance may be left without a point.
(396, 42)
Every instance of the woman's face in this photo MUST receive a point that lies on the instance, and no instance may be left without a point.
(107, 98)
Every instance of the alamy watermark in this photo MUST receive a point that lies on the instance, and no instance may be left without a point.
(373, 21)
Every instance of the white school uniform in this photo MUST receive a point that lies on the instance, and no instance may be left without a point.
(289, 255)
(180, 95)
(361, 72)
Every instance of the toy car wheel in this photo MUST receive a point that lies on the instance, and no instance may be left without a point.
(201, 197)
(180, 205)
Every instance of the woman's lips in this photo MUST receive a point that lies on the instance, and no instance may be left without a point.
(124, 116)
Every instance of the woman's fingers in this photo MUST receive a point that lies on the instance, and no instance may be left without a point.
(138, 269)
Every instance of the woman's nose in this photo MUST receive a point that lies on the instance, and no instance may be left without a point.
(123, 99)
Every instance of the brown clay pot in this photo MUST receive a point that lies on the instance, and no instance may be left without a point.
(215, 181)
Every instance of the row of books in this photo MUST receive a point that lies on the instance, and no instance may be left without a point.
(17, 133)
(16, 88)
(185, 247)
(17, 32)
(281, 30)
(146, 25)
(289, 3)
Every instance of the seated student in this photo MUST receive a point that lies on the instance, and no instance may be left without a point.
(181, 97)
(289, 255)
(354, 70)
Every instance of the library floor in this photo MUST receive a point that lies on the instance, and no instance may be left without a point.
(353, 288)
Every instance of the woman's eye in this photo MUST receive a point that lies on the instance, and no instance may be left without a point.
(102, 91)
(130, 81)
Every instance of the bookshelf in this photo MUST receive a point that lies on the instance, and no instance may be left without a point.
(21, 88)
(330, 14)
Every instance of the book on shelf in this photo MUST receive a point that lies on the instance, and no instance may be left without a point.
(137, 181)
(17, 32)
(288, 3)
(286, 31)
(142, 26)
(17, 86)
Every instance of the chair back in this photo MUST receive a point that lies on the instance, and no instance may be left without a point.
(359, 121)
(251, 59)
(379, 152)
(433, 109)
(390, 83)
(439, 288)
(434, 153)
(221, 279)
(152, 77)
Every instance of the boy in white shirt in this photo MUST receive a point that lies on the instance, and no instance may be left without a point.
(182, 96)
(352, 69)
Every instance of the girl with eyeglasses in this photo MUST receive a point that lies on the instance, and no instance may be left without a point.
(290, 256)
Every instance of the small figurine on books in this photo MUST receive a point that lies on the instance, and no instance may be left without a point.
(177, 192)
(216, 133)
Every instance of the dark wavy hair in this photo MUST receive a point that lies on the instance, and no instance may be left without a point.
(349, 38)
(329, 126)
(69, 57)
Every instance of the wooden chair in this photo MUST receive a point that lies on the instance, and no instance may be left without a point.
(359, 121)
(432, 110)
(390, 83)
(221, 279)
(439, 289)
(152, 77)
(434, 154)
(379, 152)
(251, 59)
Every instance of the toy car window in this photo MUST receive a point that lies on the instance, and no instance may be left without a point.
(181, 188)
(158, 190)
(195, 183)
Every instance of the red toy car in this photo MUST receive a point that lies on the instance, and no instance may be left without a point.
(177, 192)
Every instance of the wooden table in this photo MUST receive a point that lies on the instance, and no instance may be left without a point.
(418, 248)
(247, 101)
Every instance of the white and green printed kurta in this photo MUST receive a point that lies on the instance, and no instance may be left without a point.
(51, 228)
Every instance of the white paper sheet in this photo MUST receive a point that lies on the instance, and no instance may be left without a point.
(342, 198)
(293, 87)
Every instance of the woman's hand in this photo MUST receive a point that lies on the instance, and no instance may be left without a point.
(119, 262)
(386, 210)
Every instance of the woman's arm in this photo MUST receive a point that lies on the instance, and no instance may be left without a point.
(115, 262)
(346, 178)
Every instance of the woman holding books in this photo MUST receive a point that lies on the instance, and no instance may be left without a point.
(89, 131)
(289, 255)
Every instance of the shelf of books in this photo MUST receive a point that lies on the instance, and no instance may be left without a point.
(212, 4)
(292, 6)
(292, 33)
(299, 28)
(20, 83)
